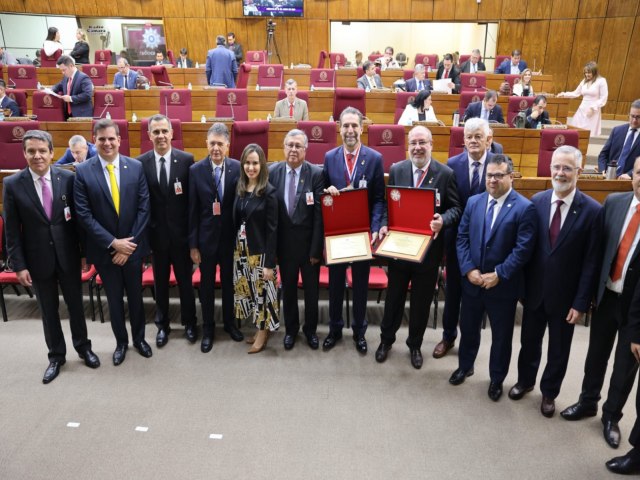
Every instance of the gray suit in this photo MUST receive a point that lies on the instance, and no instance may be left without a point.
(300, 109)
(363, 83)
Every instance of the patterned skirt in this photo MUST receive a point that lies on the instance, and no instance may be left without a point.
(255, 297)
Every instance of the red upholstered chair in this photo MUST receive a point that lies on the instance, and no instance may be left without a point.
(123, 129)
(466, 98)
(402, 99)
(97, 73)
(22, 76)
(324, 78)
(322, 58)
(171, 57)
(144, 71)
(500, 59)
(47, 107)
(102, 57)
(8, 277)
(511, 79)
(270, 76)
(407, 74)
(473, 82)
(549, 141)
(322, 138)
(348, 97)
(20, 97)
(243, 75)
(176, 104)
(49, 61)
(256, 57)
(517, 105)
(111, 101)
(456, 141)
(161, 76)
(389, 140)
(244, 133)
(337, 58)
(232, 103)
(11, 134)
(373, 57)
(302, 95)
(176, 142)
(427, 59)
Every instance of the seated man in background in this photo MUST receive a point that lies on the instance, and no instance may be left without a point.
(184, 62)
(370, 80)
(473, 65)
(623, 145)
(536, 114)
(387, 61)
(515, 66)
(448, 70)
(160, 60)
(125, 78)
(6, 102)
(487, 109)
(79, 150)
(291, 106)
(419, 81)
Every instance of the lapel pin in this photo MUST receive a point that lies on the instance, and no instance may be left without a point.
(175, 161)
(125, 166)
(430, 181)
(509, 205)
(302, 180)
(362, 163)
(575, 212)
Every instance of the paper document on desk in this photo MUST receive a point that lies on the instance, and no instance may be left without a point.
(442, 85)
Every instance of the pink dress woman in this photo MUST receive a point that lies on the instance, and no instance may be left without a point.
(594, 97)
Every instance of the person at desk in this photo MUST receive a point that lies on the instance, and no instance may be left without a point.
(291, 106)
(623, 145)
(79, 150)
(76, 89)
(184, 61)
(420, 110)
(448, 70)
(160, 60)
(536, 113)
(6, 58)
(80, 52)
(487, 109)
(6, 102)
(419, 81)
(52, 43)
(473, 65)
(125, 78)
(370, 80)
(524, 87)
(221, 68)
(594, 91)
(387, 61)
(512, 66)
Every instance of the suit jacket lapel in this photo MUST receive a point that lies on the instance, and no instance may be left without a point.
(102, 181)
(305, 179)
(572, 215)
(507, 206)
(30, 188)
(56, 193)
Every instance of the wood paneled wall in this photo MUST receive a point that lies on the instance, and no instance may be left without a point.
(560, 35)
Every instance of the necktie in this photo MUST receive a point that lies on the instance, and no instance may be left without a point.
(446, 74)
(554, 228)
(47, 197)
(419, 173)
(69, 93)
(350, 161)
(115, 193)
(291, 194)
(420, 86)
(488, 220)
(473, 68)
(625, 245)
(475, 179)
(216, 175)
(163, 176)
(291, 110)
(626, 149)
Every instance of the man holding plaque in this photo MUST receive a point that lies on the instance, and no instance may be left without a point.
(505, 223)
(420, 171)
(352, 165)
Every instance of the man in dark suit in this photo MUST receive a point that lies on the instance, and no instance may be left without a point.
(493, 275)
(536, 113)
(447, 69)
(473, 65)
(512, 66)
(221, 68)
(468, 168)
(420, 171)
(560, 278)
(160, 60)
(235, 47)
(44, 248)
(6, 102)
(419, 81)
(212, 191)
(112, 204)
(623, 145)
(76, 89)
(618, 278)
(184, 61)
(487, 109)
(125, 78)
(353, 165)
(370, 80)
(299, 186)
(79, 150)
(167, 172)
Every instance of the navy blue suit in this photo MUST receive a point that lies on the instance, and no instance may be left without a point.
(368, 168)
(505, 66)
(411, 85)
(81, 95)
(10, 103)
(533, 122)
(221, 67)
(97, 215)
(67, 158)
(613, 148)
(505, 252)
(558, 278)
(474, 110)
(119, 80)
(453, 293)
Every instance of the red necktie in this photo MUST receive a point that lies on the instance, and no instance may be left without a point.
(554, 228)
(350, 162)
(446, 73)
(625, 245)
(291, 110)
(69, 93)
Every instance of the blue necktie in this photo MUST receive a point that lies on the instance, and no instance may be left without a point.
(488, 220)
(216, 177)
(420, 87)
(475, 179)
(626, 149)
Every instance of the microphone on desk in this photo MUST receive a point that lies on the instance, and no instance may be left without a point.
(167, 84)
(166, 107)
(14, 83)
(104, 110)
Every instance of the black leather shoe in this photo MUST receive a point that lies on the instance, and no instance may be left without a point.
(52, 371)
(143, 349)
(626, 465)
(416, 358)
(289, 341)
(207, 344)
(331, 341)
(611, 433)
(495, 391)
(518, 391)
(361, 344)
(191, 333)
(119, 354)
(91, 360)
(459, 376)
(312, 341)
(162, 337)
(548, 407)
(578, 411)
(235, 334)
(382, 352)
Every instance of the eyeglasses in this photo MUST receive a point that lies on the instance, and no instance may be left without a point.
(294, 146)
(496, 176)
(634, 117)
(420, 143)
(564, 168)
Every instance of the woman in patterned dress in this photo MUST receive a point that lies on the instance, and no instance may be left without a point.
(594, 91)
(255, 215)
